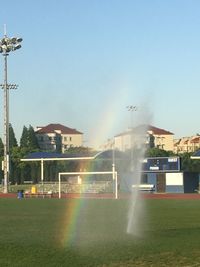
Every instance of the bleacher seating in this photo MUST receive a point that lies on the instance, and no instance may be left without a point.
(144, 187)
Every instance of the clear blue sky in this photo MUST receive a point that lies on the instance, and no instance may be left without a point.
(83, 61)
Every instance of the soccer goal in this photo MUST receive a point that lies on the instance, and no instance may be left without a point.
(78, 174)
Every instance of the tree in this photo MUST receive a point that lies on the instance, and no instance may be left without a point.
(151, 141)
(1, 148)
(15, 171)
(12, 146)
(188, 164)
(24, 138)
(32, 139)
(1, 157)
(79, 150)
(28, 139)
(12, 138)
(156, 152)
(28, 143)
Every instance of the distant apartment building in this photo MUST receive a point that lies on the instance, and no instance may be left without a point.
(57, 137)
(163, 139)
(187, 144)
(144, 134)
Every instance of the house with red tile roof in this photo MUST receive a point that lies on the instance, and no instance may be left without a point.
(57, 137)
(187, 144)
(163, 139)
(143, 134)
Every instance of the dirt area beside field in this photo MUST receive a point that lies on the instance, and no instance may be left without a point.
(172, 196)
(121, 196)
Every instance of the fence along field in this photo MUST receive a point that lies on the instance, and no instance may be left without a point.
(69, 183)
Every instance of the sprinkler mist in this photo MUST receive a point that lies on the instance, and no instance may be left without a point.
(136, 206)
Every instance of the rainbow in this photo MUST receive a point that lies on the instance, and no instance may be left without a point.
(72, 217)
(70, 229)
(106, 123)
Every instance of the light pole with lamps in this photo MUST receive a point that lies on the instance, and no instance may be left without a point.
(6, 46)
(131, 108)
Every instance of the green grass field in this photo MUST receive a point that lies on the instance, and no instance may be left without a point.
(33, 231)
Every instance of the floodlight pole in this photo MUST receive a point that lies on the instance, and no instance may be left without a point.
(6, 87)
(7, 45)
(6, 126)
(131, 109)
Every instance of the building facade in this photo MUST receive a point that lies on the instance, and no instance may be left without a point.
(57, 137)
(163, 139)
(187, 144)
(149, 135)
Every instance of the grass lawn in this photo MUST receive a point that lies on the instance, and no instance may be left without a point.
(39, 232)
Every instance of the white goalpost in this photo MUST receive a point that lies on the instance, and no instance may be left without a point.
(114, 176)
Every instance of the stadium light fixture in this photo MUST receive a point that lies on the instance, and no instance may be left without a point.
(7, 45)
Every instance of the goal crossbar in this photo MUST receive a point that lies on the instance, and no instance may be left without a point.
(85, 173)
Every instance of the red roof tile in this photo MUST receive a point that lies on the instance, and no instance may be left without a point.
(51, 128)
(195, 140)
(159, 131)
(144, 128)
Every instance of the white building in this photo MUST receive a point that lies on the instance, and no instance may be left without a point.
(187, 144)
(144, 134)
(57, 137)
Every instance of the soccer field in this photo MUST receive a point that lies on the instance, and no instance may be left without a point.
(92, 232)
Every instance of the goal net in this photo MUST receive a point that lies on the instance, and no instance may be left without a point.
(88, 182)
